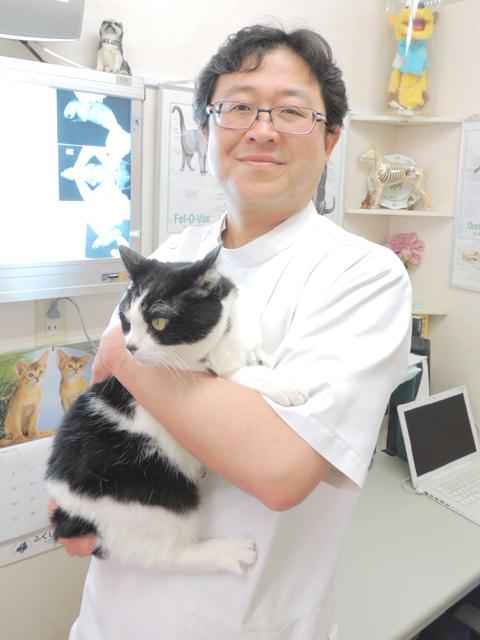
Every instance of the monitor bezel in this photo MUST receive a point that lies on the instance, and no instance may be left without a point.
(34, 281)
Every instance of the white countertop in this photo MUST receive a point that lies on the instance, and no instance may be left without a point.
(406, 559)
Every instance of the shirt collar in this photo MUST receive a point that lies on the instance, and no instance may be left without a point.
(268, 244)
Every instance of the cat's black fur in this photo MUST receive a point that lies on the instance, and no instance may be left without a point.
(96, 458)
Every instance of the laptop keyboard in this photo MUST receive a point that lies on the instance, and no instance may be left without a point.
(465, 489)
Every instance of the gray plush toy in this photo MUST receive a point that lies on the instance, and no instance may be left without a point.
(110, 52)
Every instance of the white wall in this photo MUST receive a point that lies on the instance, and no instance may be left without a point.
(170, 41)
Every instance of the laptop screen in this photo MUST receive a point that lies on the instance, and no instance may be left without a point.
(439, 433)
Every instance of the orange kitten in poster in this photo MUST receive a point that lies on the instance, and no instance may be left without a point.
(72, 382)
(24, 405)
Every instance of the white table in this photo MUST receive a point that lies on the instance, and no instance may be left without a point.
(406, 559)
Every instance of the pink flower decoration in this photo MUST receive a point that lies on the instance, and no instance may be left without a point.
(408, 247)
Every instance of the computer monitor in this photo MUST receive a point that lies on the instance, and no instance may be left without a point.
(41, 19)
(70, 169)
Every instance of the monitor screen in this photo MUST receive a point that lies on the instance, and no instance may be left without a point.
(71, 178)
(439, 433)
(66, 175)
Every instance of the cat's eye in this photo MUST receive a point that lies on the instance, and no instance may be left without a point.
(159, 324)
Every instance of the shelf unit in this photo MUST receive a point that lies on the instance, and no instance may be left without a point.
(414, 213)
(404, 120)
(434, 144)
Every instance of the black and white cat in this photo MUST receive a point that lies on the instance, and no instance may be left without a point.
(114, 471)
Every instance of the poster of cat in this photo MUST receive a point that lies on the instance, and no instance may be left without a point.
(187, 194)
(36, 388)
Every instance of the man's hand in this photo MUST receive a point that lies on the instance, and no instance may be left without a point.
(82, 546)
(110, 355)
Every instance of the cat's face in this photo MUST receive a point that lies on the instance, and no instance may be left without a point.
(71, 365)
(173, 313)
(31, 373)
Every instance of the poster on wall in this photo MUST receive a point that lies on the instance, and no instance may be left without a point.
(36, 389)
(187, 194)
(466, 239)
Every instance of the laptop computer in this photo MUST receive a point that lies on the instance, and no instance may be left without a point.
(443, 451)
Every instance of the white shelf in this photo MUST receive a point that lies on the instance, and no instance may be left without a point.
(426, 213)
(405, 120)
(418, 310)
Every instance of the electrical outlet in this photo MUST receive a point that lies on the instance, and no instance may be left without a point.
(50, 322)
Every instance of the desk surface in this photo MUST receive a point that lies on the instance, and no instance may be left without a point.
(405, 561)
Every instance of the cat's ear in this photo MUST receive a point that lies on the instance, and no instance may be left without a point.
(20, 367)
(200, 267)
(61, 357)
(206, 276)
(44, 359)
(134, 262)
(209, 260)
(85, 359)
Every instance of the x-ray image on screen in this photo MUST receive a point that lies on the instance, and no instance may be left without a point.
(94, 143)
(66, 174)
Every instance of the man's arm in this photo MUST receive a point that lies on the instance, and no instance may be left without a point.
(229, 427)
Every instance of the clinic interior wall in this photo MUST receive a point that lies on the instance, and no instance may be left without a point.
(171, 41)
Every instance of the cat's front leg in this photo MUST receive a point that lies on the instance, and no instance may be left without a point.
(270, 383)
(31, 425)
(216, 555)
(13, 426)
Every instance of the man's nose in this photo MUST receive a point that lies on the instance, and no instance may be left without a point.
(262, 127)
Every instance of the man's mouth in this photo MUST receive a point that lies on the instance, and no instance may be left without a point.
(260, 158)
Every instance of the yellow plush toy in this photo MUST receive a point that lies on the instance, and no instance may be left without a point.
(408, 80)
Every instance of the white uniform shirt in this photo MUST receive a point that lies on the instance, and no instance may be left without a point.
(335, 315)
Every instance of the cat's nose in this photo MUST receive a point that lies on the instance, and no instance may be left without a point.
(132, 348)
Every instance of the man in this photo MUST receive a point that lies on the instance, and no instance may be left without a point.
(334, 310)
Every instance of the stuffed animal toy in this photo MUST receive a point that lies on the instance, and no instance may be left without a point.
(408, 79)
(110, 51)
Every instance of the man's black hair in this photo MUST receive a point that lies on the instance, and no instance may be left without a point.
(257, 40)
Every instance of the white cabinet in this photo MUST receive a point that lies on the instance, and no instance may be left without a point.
(434, 144)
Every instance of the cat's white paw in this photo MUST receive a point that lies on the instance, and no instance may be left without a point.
(270, 383)
(288, 397)
(236, 556)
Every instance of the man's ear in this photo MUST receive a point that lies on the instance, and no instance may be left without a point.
(331, 139)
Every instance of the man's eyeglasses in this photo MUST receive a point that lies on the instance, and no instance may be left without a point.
(288, 119)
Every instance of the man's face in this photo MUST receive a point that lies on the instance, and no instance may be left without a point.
(261, 168)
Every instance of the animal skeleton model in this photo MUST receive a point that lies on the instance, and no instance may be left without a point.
(383, 173)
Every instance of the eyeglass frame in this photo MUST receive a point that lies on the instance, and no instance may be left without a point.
(317, 116)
